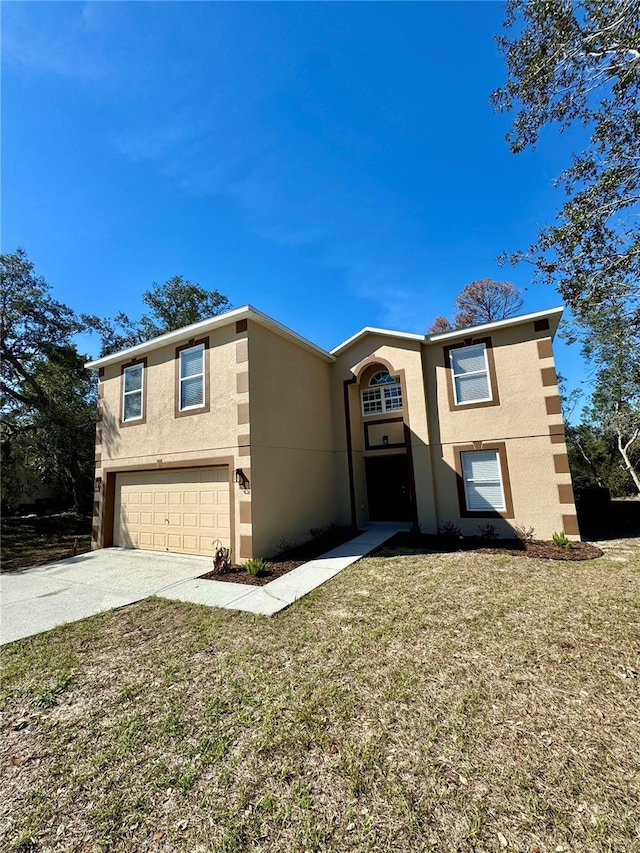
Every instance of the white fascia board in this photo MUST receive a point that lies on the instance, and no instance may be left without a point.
(552, 313)
(245, 312)
(369, 330)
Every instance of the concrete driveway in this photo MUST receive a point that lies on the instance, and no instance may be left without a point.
(41, 598)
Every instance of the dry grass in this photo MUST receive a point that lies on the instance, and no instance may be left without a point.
(488, 703)
(37, 539)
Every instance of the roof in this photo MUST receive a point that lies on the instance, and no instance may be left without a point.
(552, 314)
(246, 312)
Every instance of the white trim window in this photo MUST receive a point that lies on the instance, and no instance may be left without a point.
(192, 378)
(470, 370)
(482, 478)
(383, 395)
(132, 392)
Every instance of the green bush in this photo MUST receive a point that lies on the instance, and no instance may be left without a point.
(560, 539)
(256, 566)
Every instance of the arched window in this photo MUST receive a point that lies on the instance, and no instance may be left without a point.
(384, 394)
(381, 378)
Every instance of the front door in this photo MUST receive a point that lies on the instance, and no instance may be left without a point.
(388, 489)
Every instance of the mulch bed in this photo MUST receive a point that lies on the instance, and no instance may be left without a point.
(290, 559)
(537, 549)
(421, 542)
(276, 569)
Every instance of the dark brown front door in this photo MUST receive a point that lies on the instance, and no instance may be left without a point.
(388, 489)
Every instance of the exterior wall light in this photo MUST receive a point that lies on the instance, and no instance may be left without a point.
(241, 478)
(98, 485)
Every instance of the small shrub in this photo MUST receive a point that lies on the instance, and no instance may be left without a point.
(221, 558)
(526, 535)
(487, 531)
(450, 530)
(560, 539)
(256, 566)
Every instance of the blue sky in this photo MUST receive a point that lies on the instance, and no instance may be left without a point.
(335, 164)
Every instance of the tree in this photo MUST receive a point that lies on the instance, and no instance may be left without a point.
(486, 300)
(615, 403)
(48, 398)
(440, 324)
(592, 445)
(481, 301)
(579, 63)
(174, 304)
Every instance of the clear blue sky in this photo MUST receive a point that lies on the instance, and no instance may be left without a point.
(335, 164)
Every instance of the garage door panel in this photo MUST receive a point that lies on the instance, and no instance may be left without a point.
(184, 511)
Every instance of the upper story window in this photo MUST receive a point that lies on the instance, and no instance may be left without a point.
(191, 382)
(470, 370)
(384, 394)
(132, 393)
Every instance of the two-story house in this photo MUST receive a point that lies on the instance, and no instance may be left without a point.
(238, 430)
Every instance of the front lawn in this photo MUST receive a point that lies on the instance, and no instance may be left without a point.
(36, 539)
(445, 702)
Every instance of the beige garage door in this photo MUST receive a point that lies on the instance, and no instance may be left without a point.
(184, 511)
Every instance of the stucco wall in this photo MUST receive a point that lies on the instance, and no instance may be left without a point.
(292, 447)
(527, 420)
(164, 441)
(403, 358)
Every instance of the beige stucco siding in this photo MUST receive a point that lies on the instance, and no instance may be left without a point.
(292, 446)
(528, 409)
(165, 441)
(522, 411)
(163, 434)
(405, 359)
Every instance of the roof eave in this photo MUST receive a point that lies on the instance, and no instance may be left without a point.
(553, 314)
(247, 312)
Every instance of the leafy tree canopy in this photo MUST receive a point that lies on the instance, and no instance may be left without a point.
(481, 301)
(33, 327)
(174, 304)
(48, 397)
(579, 63)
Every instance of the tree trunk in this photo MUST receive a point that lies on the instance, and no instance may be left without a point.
(623, 448)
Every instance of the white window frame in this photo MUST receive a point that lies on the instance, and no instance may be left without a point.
(455, 375)
(182, 379)
(467, 480)
(376, 393)
(126, 393)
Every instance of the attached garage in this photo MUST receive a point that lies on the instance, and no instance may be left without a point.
(184, 510)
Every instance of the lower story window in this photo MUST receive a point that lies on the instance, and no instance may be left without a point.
(482, 477)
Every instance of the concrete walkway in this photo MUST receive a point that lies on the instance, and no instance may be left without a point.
(44, 597)
(275, 596)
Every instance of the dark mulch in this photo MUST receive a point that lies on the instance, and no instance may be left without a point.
(238, 575)
(290, 559)
(537, 549)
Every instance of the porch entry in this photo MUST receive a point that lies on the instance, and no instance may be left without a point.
(388, 491)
